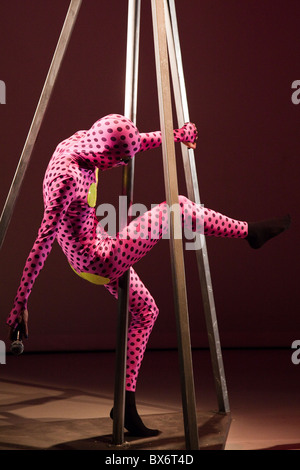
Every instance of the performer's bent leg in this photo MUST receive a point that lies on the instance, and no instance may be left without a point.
(143, 312)
(116, 255)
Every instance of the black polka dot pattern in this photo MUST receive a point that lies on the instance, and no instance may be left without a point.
(144, 312)
(68, 218)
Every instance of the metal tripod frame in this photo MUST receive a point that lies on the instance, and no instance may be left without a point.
(167, 50)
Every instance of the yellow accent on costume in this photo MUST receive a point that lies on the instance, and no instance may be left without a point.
(93, 278)
(92, 199)
(92, 195)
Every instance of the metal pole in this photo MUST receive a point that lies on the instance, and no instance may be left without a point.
(38, 117)
(193, 194)
(176, 249)
(130, 107)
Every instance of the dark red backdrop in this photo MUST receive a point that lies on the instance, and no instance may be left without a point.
(240, 59)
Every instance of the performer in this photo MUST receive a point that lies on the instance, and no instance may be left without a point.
(69, 191)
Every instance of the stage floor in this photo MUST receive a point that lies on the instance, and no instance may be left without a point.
(62, 401)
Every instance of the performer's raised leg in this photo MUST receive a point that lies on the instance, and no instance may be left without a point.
(260, 232)
(134, 243)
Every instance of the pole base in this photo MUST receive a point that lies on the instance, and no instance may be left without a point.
(213, 429)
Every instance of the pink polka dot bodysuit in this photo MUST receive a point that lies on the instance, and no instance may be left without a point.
(70, 218)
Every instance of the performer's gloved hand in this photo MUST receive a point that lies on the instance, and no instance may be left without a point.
(189, 135)
(22, 326)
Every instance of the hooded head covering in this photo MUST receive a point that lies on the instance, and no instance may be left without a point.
(111, 141)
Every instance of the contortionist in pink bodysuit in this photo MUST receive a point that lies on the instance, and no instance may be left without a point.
(70, 217)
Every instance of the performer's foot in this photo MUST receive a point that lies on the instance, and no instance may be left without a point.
(260, 232)
(133, 422)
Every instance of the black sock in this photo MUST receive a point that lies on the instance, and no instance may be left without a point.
(132, 421)
(260, 232)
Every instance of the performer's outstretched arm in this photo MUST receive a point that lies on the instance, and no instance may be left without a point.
(58, 201)
(187, 134)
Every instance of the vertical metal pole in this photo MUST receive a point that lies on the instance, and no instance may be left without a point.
(177, 260)
(38, 117)
(193, 194)
(130, 108)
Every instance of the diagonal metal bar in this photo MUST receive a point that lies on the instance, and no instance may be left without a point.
(193, 193)
(130, 109)
(176, 248)
(24, 160)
